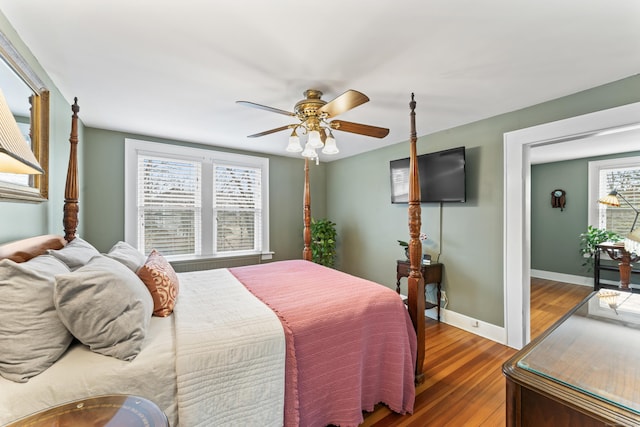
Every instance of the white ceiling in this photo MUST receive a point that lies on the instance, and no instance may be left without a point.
(175, 69)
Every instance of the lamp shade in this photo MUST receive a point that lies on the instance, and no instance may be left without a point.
(294, 144)
(632, 242)
(309, 151)
(15, 154)
(314, 139)
(610, 199)
(330, 146)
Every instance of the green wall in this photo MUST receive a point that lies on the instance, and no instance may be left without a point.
(471, 234)
(555, 234)
(104, 204)
(20, 219)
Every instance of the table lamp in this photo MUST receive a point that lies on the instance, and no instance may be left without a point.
(613, 199)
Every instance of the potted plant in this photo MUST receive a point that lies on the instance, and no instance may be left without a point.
(323, 242)
(405, 245)
(590, 240)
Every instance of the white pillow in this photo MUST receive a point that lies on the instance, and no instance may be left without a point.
(128, 255)
(32, 337)
(75, 254)
(105, 306)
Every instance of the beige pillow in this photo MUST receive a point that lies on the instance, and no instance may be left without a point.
(128, 255)
(162, 282)
(76, 253)
(32, 337)
(105, 306)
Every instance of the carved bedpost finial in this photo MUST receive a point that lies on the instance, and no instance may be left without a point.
(70, 218)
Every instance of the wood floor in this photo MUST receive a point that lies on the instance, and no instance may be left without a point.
(464, 385)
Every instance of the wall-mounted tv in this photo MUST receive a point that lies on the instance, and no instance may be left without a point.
(442, 177)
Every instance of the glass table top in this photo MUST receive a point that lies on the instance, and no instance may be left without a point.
(596, 350)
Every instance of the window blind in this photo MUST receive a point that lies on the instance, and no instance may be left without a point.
(625, 180)
(169, 205)
(237, 207)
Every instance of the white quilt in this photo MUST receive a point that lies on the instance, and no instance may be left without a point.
(230, 354)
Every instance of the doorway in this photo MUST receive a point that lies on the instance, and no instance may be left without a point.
(593, 131)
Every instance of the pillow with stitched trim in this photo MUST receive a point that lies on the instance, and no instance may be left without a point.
(161, 280)
(128, 255)
(75, 254)
(105, 306)
(32, 337)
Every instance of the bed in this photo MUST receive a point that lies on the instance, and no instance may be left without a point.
(283, 343)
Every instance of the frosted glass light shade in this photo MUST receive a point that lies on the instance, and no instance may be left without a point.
(314, 139)
(309, 151)
(330, 146)
(294, 144)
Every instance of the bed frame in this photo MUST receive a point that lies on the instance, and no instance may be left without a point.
(26, 249)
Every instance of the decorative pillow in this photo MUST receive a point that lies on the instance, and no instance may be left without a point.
(32, 337)
(128, 255)
(76, 253)
(105, 306)
(162, 281)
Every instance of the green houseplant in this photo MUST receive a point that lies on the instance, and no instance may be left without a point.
(323, 242)
(591, 239)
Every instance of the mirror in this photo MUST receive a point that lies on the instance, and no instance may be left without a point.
(29, 102)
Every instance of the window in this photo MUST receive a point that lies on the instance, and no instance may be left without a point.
(190, 202)
(622, 175)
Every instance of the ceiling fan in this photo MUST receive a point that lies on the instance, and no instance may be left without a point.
(314, 115)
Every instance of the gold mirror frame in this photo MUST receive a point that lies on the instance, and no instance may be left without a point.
(38, 189)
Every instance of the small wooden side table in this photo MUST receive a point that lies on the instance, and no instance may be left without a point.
(432, 273)
(112, 410)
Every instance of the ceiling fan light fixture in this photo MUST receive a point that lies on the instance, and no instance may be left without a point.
(330, 146)
(314, 139)
(294, 143)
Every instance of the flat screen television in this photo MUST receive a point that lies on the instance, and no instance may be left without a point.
(442, 177)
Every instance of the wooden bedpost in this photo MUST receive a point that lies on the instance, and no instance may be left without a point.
(416, 302)
(306, 234)
(70, 219)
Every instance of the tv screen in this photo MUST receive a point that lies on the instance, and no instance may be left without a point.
(442, 177)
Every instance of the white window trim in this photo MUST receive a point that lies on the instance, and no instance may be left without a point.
(133, 147)
(594, 179)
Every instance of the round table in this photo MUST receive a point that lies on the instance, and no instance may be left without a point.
(99, 411)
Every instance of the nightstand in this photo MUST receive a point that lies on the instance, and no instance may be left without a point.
(432, 273)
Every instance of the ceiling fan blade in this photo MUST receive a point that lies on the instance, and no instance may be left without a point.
(267, 132)
(345, 102)
(264, 107)
(359, 128)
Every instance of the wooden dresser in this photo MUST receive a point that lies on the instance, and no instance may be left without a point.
(583, 371)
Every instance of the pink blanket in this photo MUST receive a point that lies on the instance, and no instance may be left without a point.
(350, 342)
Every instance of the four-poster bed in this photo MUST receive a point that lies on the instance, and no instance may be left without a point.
(328, 374)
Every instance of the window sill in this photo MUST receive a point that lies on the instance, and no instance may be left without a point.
(183, 263)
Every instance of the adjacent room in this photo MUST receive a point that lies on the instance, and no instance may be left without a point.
(280, 213)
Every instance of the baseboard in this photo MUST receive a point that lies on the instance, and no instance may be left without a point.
(562, 277)
(576, 280)
(469, 324)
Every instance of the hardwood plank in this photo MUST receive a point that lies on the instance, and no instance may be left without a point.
(464, 385)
